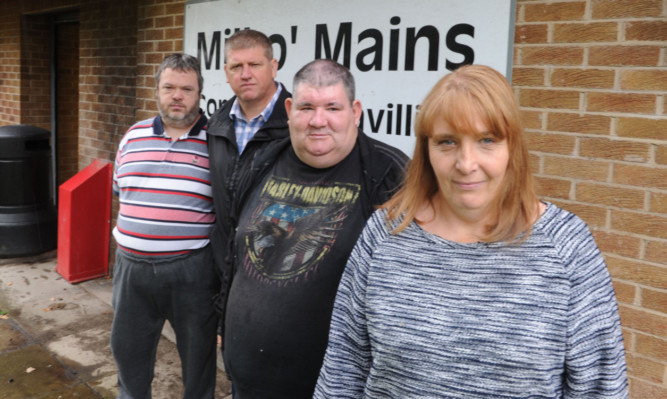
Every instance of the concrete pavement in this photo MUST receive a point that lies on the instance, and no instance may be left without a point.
(54, 337)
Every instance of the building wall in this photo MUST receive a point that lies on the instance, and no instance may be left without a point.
(107, 81)
(10, 63)
(591, 78)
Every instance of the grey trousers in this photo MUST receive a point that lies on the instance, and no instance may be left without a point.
(146, 292)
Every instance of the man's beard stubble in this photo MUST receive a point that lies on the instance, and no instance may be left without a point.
(180, 122)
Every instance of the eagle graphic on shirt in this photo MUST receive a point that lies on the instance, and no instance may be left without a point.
(294, 227)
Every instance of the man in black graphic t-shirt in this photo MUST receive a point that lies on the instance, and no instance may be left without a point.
(308, 205)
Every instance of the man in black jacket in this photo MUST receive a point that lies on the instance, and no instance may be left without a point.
(304, 203)
(249, 121)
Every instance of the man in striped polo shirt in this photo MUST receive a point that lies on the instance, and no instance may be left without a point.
(164, 267)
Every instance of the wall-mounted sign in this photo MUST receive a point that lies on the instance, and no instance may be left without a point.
(395, 49)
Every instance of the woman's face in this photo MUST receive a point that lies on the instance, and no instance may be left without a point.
(469, 168)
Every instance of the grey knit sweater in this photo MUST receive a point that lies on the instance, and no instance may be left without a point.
(418, 316)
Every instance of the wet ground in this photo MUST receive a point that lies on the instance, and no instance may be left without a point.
(54, 337)
(31, 371)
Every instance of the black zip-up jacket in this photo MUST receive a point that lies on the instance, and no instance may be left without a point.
(227, 168)
(383, 168)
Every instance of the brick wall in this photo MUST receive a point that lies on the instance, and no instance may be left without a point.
(591, 77)
(10, 64)
(108, 68)
(108, 82)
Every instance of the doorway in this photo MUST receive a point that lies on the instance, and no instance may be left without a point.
(65, 96)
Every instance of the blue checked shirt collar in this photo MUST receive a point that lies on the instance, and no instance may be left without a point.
(244, 129)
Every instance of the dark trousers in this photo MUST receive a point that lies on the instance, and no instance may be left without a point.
(146, 292)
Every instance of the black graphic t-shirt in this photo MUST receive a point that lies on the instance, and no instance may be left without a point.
(295, 234)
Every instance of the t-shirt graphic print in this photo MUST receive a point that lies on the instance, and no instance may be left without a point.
(294, 227)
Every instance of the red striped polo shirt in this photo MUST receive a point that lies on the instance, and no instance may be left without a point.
(164, 188)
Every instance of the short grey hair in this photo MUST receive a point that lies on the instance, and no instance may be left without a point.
(323, 73)
(182, 63)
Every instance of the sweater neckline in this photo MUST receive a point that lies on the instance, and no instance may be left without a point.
(436, 239)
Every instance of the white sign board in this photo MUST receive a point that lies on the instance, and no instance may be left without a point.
(395, 49)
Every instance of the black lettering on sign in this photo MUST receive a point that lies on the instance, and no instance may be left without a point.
(423, 42)
(467, 52)
(203, 52)
(392, 120)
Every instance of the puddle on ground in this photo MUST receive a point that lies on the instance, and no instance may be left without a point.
(29, 371)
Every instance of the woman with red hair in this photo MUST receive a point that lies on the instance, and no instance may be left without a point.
(465, 284)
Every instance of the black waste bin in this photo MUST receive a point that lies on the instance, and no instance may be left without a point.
(28, 217)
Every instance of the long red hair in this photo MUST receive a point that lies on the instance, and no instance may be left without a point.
(457, 98)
